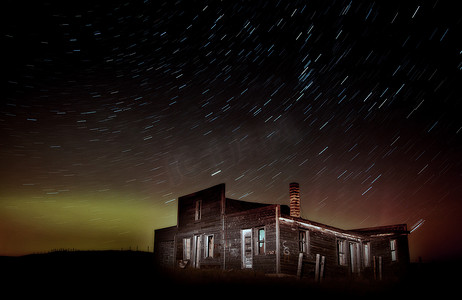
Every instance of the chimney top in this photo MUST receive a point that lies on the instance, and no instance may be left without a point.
(294, 192)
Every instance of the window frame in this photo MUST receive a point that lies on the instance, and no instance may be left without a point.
(367, 254)
(186, 248)
(198, 210)
(304, 245)
(341, 253)
(260, 243)
(394, 250)
(209, 245)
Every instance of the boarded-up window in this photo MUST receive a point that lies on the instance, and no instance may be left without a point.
(187, 248)
(198, 210)
(341, 252)
(367, 254)
(209, 246)
(354, 257)
(261, 241)
(303, 241)
(393, 250)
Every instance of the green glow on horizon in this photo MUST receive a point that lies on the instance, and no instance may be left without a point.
(99, 221)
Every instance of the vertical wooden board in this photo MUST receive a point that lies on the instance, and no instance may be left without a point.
(316, 272)
(300, 265)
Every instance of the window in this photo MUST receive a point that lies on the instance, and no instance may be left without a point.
(187, 249)
(198, 210)
(196, 253)
(355, 262)
(261, 241)
(367, 254)
(209, 246)
(393, 250)
(303, 241)
(341, 252)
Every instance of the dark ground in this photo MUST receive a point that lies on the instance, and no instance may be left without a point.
(132, 274)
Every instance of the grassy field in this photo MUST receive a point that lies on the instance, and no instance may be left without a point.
(78, 274)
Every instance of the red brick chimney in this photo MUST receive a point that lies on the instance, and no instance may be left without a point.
(294, 192)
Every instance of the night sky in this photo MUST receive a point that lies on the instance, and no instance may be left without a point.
(110, 112)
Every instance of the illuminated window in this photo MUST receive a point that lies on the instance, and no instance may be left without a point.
(187, 249)
(198, 210)
(367, 254)
(303, 241)
(209, 246)
(393, 250)
(341, 252)
(261, 241)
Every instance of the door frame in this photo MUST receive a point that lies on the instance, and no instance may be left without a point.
(354, 257)
(244, 263)
(196, 255)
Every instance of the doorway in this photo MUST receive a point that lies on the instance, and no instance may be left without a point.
(354, 258)
(247, 253)
(196, 251)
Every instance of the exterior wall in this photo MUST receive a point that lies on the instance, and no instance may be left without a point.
(200, 259)
(164, 245)
(319, 241)
(323, 240)
(212, 200)
(381, 247)
(253, 219)
(210, 222)
(224, 219)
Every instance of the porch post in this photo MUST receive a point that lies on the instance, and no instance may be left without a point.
(278, 246)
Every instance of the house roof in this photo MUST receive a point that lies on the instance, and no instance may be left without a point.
(235, 206)
(380, 230)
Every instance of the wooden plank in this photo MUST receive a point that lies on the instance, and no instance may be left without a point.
(380, 267)
(300, 262)
(224, 241)
(278, 243)
(316, 270)
(321, 275)
(375, 267)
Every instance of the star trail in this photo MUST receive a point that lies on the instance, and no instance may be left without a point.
(112, 111)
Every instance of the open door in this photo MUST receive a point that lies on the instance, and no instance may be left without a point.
(247, 253)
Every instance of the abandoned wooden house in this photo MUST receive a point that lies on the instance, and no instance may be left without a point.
(213, 231)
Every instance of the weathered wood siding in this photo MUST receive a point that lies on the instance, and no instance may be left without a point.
(254, 219)
(211, 201)
(380, 247)
(209, 223)
(322, 242)
(318, 243)
(164, 245)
